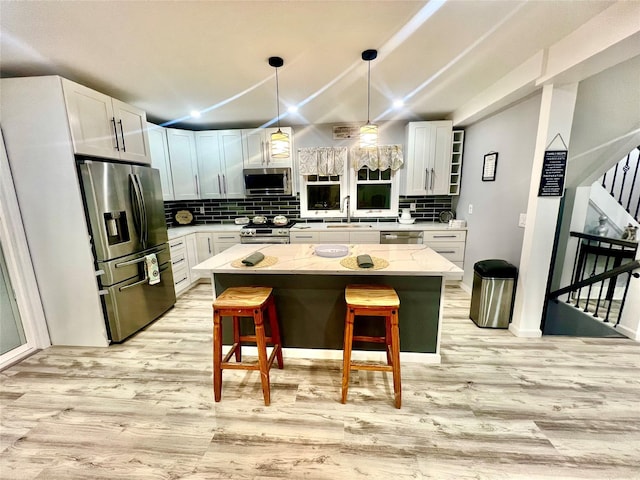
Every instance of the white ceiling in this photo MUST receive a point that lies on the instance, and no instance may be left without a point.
(170, 57)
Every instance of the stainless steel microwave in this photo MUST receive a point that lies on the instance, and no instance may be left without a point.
(267, 181)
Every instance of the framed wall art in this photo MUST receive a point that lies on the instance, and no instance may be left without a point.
(489, 167)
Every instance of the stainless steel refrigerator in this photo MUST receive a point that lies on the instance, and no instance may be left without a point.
(125, 213)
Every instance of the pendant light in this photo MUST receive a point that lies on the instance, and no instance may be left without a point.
(369, 132)
(280, 145)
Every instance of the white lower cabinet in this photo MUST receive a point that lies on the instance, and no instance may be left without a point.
(180, 264)
(204, 247)
(339, 237)
(222, 241)
(303, 237)
(449, 244)
(183, 258)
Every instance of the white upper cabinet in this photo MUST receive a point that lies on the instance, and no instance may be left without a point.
(160, 158)
(257, 148)
(232, 158)
(210, 167)
(427, 168)
(184, 163)
(105, 127)
(220, 163)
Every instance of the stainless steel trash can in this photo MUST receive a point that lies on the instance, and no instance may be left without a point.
(492, 293)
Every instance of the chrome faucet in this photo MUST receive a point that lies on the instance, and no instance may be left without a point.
(347, 202)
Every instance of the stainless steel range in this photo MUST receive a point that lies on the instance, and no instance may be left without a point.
(265, 233)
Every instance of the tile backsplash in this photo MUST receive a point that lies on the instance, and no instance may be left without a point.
(428, 208)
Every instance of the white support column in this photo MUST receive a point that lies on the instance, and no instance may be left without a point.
(556, 116)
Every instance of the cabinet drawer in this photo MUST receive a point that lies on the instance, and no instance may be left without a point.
(364, 237)
(444, 236)
(303, 237)
(181, 278)
(226, 237)
(179, 258)
(454, 252)
(333, 237)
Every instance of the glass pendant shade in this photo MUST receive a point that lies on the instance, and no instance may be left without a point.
(368, 136)
(280, 145)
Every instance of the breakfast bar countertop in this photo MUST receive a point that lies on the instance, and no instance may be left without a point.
(411, 260)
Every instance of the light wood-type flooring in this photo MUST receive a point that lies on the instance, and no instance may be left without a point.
(497, 407)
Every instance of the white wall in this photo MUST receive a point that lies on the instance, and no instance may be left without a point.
(493, 230)
(307, 136)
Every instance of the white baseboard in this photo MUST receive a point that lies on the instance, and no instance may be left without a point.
(525, 333)
(627, 332)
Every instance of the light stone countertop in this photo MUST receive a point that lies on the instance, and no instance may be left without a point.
(418, 260)
(175, 232)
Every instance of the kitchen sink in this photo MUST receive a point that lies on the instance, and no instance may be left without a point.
(350, 225)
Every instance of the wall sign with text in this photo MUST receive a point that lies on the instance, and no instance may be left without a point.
(554, 170)
(489, 167)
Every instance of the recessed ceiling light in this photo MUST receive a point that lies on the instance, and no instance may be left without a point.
(398, 103)
(195, 114)
(293, 109)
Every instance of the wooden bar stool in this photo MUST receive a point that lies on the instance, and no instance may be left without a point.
(373, 300)
(252, 302)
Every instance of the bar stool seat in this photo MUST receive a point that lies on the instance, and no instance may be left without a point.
(373, 300)
(251, 302)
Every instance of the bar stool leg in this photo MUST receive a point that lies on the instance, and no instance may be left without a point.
(236, 338)
(217, 355)
(395, 353)
(387, 339)
(346, 361)
(275, 331)
(262, 356)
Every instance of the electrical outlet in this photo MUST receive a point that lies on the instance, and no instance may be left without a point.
(470, 209)
(202, 209)
(522, 221)
(412, 207)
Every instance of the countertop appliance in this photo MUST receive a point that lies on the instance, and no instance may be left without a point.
(267, 181)
(265, 233)
(401, 237)
(125, 214)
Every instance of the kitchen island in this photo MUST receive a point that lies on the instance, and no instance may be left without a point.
(309, 291)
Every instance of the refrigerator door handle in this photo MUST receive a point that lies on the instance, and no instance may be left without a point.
(141, 213)
(140, 282)
(145, 218)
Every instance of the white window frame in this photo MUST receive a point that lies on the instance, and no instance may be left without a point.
(392, 211)
(305, 212)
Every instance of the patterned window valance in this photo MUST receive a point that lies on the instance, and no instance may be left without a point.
(323, 161)
(380, 158)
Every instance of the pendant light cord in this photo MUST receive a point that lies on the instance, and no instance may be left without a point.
(277, 99)
(368, 92)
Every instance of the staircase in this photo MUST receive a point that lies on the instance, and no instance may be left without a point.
(622, 182)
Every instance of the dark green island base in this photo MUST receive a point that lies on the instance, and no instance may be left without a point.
(311, 308)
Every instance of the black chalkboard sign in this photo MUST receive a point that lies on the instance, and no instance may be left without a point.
(554, 169)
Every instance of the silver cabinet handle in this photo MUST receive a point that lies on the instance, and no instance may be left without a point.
(227, 238)
(219, 186)
(175, 245)
(224, 182)
(197, 186)
(180, 281)
(433, 174)
(177, 261)
(115, 132)
(124, 147)
(445, 251)
(426, 178)
(444, 236)
(209, 245)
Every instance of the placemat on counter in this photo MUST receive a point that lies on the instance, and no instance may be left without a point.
(352, 263)
(267, 261)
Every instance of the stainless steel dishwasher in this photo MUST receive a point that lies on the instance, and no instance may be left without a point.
(401, 237)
